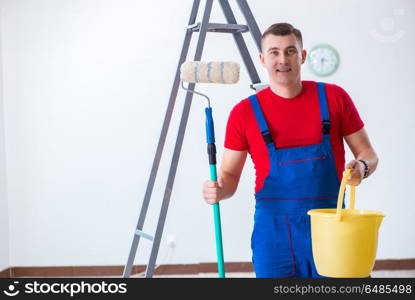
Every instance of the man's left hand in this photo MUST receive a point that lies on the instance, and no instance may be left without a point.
(358, 171)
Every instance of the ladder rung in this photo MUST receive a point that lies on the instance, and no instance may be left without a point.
(219, 27)
(259, 86)
(144, 235)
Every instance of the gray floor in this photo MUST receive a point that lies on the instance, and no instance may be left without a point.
(375, 274)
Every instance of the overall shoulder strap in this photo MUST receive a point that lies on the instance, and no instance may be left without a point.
(263, 126)
(324, 110)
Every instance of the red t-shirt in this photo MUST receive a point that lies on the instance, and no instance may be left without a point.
(293, 122)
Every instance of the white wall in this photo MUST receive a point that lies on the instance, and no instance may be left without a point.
(86, 85)
(4, 211)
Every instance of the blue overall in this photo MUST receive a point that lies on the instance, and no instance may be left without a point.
(300, 179)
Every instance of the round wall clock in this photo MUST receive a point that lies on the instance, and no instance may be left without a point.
(323, 60)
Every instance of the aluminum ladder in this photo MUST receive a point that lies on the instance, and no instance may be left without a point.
(202, 27)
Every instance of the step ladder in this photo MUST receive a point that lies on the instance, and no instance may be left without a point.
(202, 28)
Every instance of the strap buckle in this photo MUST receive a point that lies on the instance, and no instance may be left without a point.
(266, 135)
(326, 126)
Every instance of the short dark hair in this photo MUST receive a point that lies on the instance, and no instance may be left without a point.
(282, 29)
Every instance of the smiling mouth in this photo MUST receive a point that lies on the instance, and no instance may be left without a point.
(284, 70)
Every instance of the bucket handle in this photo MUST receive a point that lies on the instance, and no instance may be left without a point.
(346, 177)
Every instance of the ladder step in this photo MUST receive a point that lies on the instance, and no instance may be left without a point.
(144, 235)
(219, 27)
(259, 86)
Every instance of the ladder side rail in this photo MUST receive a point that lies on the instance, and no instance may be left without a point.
(243, 50)
(161, 143)
(178, 146)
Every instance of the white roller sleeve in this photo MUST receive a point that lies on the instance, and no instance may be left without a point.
(210, 72)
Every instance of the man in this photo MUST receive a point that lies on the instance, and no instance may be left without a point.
(294, 133)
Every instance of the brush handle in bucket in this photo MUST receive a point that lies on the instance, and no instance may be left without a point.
(346, 177)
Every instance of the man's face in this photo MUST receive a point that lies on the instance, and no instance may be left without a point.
(282, 57)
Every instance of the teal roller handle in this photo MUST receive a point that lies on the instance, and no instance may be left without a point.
(218, 230)
(214, 177)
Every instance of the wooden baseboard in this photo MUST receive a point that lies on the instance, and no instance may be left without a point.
(87, 271)
(395, 264)
(6, 273)
(188, 269)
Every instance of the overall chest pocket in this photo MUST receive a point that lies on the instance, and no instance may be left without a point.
(301, 160)
(302, 163)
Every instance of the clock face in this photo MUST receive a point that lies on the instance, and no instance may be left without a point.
(323, 60)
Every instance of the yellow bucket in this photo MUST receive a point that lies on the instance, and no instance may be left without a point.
(345, 241)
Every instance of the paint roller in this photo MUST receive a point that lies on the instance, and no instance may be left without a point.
(211, 72)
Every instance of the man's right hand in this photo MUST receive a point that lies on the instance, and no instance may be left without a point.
(213, 191)
(228, 177)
